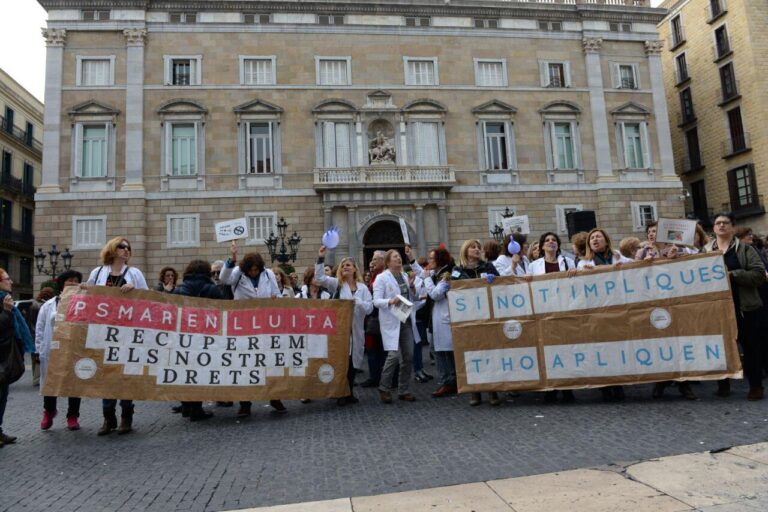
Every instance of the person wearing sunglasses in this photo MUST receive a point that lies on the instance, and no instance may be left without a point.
(115, 272)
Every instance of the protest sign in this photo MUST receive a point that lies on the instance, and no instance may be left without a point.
(231, 230)
(404, 230)
(646, 322)
(676, 231)
(516, 224)
(146, 345)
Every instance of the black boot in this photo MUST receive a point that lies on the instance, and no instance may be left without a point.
(723, 388)
(110, 422)
(126, 420)
(197, 413)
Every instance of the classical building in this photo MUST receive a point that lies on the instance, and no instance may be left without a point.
(21, 127)
(715, 60)
(165, 117)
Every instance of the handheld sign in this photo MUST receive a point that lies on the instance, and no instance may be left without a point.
(231, 230)
(518, 223)
(404, 229)
(676, 231)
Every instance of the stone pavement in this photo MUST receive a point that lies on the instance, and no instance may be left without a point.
(732, 480)
(319, 451)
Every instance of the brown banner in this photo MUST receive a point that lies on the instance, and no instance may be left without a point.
(145, 345)
(647, 322)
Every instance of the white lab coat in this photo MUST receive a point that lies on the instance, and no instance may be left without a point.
(385, 288)
(46, 318)
(503, 266)
(441, 319)
(243, 288)
(363, 307)
(537, 268)
(132, 276)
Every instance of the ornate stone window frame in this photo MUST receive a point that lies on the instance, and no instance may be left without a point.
(258, 111)
(273, 63)
(337, 110)
(182, 111)
(616, 74)
(408, 79)
(81, 59)
(424, 110)
(504, 76)
(318, 63)
(496, 111)
(633, 113)
(196, 77)
(93, 113)
(562, 111)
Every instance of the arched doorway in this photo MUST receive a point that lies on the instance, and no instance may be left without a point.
(382, 236)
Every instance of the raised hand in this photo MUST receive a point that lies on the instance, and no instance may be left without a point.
(233, 251)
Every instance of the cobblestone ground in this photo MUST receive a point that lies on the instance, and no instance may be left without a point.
(320, 451)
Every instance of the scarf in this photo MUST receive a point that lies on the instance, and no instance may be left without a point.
(20, 328)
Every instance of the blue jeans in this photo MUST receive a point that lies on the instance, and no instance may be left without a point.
(446, 368)
(3, 400)
(418, 361)
(111, 403)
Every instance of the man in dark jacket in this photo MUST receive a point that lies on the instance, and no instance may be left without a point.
(7, 338)
(197, 283)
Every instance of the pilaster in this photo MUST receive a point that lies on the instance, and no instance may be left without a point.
(55, 39)
(653, 51)
(134, 109)
(420, 230)
(592, 47)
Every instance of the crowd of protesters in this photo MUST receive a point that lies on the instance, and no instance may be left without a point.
(394, 349)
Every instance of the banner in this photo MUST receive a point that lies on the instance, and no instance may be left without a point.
(146, 345)
(646, 322)
(229, 230)
(676, 231)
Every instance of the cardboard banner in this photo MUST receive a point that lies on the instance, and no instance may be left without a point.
(647, 322)
(146, 345)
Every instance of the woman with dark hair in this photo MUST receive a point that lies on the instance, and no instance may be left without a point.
(250, 280)
(746, 273)
(599, 253)
(313, 288)
(167, 280)
(472, 266)
(197, 282)
(46, 320)
(114, 272)
(348, 284)
(283, 283)
(553, 261)
(437, 283)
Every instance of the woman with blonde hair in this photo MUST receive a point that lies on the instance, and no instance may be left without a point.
(115, 272)
(472, 266)
(600, 252)
(348, 285)
(283, 283)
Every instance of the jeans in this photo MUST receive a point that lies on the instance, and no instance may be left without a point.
(111, 403)
(418, 361)
(3, 400)
(446, 368)
(749, 339)
(73, 405)
(376, 358)
(404, 357)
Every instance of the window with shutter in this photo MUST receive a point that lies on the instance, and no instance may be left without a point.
(94, 152)
(490, 73)
(426, 144)
(183, 149)
(95, 72)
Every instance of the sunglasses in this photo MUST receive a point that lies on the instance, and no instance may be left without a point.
(124, 246)
(214, 273)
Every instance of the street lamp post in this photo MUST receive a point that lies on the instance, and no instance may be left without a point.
(498, 230)
(286, 252)
(53, 260)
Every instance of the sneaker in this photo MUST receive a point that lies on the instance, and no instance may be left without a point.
(48, 419)
(6, 439)
(73, 423)
(426, 375)
(420, 378)
(494, 398)
(476, 399)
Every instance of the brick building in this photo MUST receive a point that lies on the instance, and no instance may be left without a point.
(164, 117)
(21, 126)
(714, 62)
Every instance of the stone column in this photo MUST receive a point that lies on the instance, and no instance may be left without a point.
(600, 135)
(442, 222)
(354, 247)
(653, 51)
(421, 242)
(134, 109)
(54, 59)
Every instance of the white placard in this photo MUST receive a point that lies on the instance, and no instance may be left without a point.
(404, 229)
(676, 231)
(234, 229)
(518, 223)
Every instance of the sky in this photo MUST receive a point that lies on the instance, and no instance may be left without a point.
(22, 48)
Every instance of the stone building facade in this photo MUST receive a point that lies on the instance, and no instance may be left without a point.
(715, 58)
(21, 153)
(165, 117)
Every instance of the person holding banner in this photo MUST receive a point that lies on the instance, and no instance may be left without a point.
(197, 282)
(397, 336)
(472, 266)
(46, 320)
(348, 285)
(437, 283)
(114, 272)
(747, 274)
(599, 253)
(250, 280)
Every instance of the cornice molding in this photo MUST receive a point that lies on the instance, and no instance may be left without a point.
(544, 10)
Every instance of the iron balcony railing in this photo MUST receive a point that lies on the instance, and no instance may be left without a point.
(20, 135)
(384, 175)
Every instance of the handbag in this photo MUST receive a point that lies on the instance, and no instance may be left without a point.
(12, 368)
